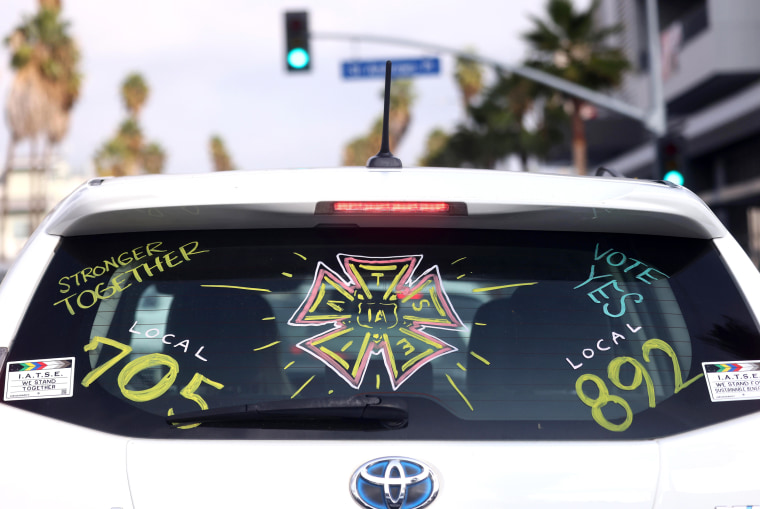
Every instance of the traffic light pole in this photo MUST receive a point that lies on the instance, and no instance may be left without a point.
(653, 120)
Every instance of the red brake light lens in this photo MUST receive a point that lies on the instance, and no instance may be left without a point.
(390, 207)
(401, 208)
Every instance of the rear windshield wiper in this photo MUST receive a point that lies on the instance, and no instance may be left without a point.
(354, 412)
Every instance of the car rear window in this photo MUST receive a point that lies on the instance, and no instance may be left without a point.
(483, 334)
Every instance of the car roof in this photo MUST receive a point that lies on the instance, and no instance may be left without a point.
(289, 198)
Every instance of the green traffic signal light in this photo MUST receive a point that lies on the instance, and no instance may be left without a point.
(675, 177)
(298, 58)
(673, 165)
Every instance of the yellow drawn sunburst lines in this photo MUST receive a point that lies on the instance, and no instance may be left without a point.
(412, 318)
(340, 289)
(391, 357)
(492, 288)
(266, 346)
(237, 288)
(365, 343)
(414, 359)
(307, 382)
(460, 392)
(437, 303)
(481, 359)
(416, 291)
(422, 338)
(395, 281)
(360, 280)
(320, 294)
(334, 356)
(333, 335)
(377, 267)
(313, 318)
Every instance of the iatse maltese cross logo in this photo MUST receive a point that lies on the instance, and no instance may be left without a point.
(377, 308)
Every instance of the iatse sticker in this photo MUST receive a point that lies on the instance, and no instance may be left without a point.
(39, 379)
(733, 381)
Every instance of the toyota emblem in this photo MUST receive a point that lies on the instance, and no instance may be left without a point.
(394, 483)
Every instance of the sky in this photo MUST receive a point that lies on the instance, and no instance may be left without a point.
(217, 68)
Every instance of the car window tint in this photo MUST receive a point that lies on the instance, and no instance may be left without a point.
(485, 334)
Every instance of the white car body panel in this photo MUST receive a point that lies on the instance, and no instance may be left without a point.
(317, 474)
(711, 467)
(269, 199)
(46, 463)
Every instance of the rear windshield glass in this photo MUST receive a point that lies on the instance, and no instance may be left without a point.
(476, 334)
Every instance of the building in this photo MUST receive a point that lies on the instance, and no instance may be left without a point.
(24, 210)
(711, 79)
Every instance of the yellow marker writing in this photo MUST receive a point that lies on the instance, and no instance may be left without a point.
(266, 346)
(307, 382)
(481, 359)
(237, 288)
(492, 288)
(460, 392)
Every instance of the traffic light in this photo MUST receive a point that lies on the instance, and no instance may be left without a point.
(297, 54)
(672, 159)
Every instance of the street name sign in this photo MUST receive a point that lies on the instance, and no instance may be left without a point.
(402, 68)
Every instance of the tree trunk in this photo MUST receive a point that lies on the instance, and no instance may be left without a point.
(523, 154)
(34, 180)
(4, 198)
(579, 138)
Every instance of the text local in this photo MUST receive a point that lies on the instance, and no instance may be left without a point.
(88, 298)
(166, 339)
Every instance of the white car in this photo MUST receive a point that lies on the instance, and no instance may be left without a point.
(387, 338)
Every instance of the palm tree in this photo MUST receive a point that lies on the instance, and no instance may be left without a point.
(131, 132)
(44, 90)
(400, 115)
(220, 157)
(127, 153)
(111, 159)
(134, 93)
(469, 77)
(567, 44)
(497, 126)
(360, 149)
(42, 47)
(435, 146)
(153, 158)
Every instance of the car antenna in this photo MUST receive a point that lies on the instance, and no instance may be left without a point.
(384, 158)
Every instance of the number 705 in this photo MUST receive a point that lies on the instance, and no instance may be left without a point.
(147, 361)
